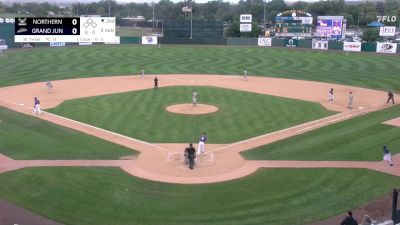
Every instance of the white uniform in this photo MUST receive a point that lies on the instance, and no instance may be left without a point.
(350, 101)
(49, 86)
(142, 74)
(245, 75)
(194, 97)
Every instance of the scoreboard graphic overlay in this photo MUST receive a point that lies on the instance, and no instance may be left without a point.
(71, 29)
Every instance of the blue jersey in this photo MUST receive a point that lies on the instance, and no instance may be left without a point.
(203, 138)
(37, 102)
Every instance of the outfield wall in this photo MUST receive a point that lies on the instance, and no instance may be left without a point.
(7, 33)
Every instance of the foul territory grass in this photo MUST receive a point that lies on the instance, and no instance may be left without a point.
(142, 114)
(26, 137)
(360, 138)
(109, 196)
(359, 69)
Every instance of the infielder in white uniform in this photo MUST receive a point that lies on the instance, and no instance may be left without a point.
(142, 74)
(245, 74)
(350, 106)
(49, 86)
(194, 98)
(202, 142)
(36, 106)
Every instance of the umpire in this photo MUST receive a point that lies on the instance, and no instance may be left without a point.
(191, 155)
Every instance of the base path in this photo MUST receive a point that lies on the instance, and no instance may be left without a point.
(164, 161)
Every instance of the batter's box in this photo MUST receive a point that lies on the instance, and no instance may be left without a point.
(172, 156)
(209, 157)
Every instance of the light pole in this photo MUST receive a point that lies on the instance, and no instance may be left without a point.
(264, 15)
(153, 16)
(191, 20)
(109, 8)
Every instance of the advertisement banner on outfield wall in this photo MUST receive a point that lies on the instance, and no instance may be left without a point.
(265, 42)
(57, 44)
(386, 48)
(149, 40)
(352, 46)
(319, 44)
(291, 43)
(116, 42)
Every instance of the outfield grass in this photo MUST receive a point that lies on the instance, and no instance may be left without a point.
(367, 70)
(360, 138)
(25, 137)
(142, 114)
(108, 196)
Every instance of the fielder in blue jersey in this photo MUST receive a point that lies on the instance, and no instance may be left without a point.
(36, 106)
(202, 142)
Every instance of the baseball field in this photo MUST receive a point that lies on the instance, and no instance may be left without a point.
(107, 151)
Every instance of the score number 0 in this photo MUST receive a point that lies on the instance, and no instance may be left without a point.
(74, 22)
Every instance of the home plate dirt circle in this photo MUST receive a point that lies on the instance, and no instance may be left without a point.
(190, 109)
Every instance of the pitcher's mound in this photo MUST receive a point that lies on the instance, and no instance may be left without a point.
(192, 110)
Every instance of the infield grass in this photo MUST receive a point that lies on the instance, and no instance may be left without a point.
(359, 69)
(142, 114)
(357, 139)
(88, 196)
(25, 137)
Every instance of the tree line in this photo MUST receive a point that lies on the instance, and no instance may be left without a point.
(357, 14)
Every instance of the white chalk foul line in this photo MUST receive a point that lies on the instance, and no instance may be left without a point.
(301, 125)
(273, 133)
(96, 128)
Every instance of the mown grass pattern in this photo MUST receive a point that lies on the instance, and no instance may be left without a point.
(142, 114)
(357, 139)
(359, 69)
(25, 137)
(109, 196)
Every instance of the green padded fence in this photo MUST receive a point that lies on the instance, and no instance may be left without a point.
(200, 29)
(193, 41)
(335, 45)
(305, 43)
(242, 41)
(368, 47)
(278, 42)
(7, 33)
(130, 40)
